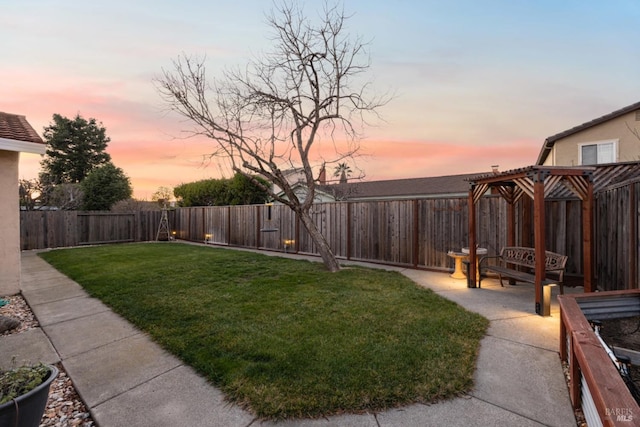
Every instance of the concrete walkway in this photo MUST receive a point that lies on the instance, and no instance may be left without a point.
(126, 379)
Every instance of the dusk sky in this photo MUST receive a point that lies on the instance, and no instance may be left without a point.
(476, 83)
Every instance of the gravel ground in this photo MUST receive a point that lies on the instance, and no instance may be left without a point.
(64, 407)
(580, 420)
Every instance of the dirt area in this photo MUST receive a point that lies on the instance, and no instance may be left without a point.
(624, 333)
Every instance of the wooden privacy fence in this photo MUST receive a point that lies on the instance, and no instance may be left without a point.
(418, 233)
(563, 232)
(53, 229)
(617, 237)
(415, 233)
(412, 233)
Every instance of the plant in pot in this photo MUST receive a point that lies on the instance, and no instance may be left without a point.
(23, 394)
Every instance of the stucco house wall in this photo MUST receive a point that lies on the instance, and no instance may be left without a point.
(617, 128)
(10, 224)
(16, 136)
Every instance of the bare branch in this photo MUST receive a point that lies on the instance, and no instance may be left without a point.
(268, 117)
(633, 131)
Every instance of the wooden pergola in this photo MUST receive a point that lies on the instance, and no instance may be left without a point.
(538, 183)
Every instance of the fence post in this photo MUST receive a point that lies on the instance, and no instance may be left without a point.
(45, 230)
(204, 224)
(258, 226)
(136, 226)
(632, 281)
(189, 226)
(416, 233)
(349, 234)
(297, 230)
(228, 225)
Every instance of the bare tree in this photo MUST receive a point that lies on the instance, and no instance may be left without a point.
(67, 196)
(162, 193)
(30, 192)
(272, 115)
(633, 131)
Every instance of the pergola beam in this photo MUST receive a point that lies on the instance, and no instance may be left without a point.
(587, 238)
(471, 273)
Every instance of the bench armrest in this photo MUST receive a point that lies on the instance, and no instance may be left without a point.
(559, 272)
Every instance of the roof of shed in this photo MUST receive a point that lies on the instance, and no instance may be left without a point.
(16, 127)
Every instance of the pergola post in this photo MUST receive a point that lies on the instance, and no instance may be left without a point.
(511, 223)
(539, 237)
(587, 238)
(471, 273)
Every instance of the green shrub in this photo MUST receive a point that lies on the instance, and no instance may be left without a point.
(19, 381)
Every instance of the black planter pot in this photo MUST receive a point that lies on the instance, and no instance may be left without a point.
(27, 410)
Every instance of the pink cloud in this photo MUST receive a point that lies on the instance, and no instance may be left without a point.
(405, 159)
(146, 142)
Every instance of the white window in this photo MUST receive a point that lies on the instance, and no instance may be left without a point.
(593, 153)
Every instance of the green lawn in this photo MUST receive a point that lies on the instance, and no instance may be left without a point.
(286, 338)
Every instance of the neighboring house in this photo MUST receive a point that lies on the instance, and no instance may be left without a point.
(16, 135)
(394, 189)
(296, 178)
(293, 176)
(612, 138)
(300, 190)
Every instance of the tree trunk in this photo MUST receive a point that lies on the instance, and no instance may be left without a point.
(321, 243)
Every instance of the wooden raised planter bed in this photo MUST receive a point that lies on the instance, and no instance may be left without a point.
(595, 384)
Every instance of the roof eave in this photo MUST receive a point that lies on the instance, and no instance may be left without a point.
(544, 153)
(22, 146)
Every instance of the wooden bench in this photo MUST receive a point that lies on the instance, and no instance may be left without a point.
(525, 257)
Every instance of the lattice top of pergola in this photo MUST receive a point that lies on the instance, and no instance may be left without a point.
(512, 185)
(560, 182)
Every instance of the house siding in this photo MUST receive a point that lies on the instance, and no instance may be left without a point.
(566, 152)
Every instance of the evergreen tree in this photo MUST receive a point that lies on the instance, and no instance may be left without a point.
(104, 186)
(74, 148)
